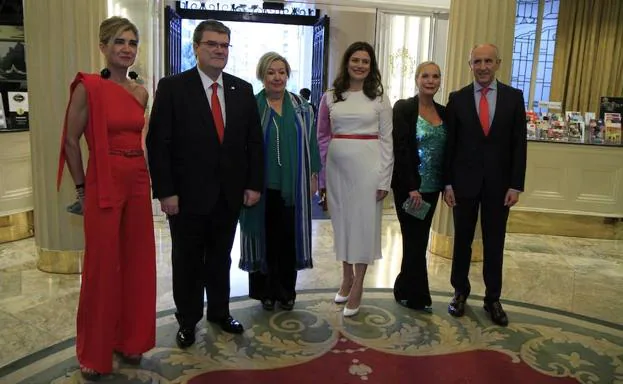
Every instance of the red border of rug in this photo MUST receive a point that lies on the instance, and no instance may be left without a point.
(350, 362)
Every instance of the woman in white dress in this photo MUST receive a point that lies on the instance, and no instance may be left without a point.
(355, 140)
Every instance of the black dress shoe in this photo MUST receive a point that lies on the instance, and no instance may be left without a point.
(457, 305)
(287, 305)
(229, 325)
(185, 337)
(498, 316)
(268, 304)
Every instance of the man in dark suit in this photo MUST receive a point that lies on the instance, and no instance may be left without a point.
(306, 94)
(205, 150)
(485, 169)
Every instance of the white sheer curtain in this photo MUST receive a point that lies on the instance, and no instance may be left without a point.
(402, 42)
(147, 15)
(440, 39)
(405, 40)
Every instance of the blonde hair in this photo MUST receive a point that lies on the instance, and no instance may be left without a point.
(421, 66)
(266, 60)
(114, 26)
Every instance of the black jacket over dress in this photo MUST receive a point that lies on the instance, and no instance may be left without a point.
(187, 159)
(411, 285)
(481, 169)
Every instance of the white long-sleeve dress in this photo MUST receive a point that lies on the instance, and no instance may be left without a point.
(354, 169)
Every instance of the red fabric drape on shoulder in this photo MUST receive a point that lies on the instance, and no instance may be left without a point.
(96, 134)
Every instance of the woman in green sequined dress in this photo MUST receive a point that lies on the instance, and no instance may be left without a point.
(419, 141)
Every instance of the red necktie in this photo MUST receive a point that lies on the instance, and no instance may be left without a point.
(484, 110)
(217, 114)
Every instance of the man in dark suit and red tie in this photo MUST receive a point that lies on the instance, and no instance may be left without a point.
(205, 150)
(485, 169)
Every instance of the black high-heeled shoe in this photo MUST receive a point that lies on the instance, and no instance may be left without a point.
(287, 305)
(89, 374)
(268, 304)
(129, 359)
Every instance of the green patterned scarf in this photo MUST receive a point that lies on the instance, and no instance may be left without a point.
(299, 157)
(252, 219)
(287, 137)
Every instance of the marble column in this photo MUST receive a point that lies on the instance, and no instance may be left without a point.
(471, 22)
(61, 39)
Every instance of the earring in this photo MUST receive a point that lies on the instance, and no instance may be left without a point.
(105, 73)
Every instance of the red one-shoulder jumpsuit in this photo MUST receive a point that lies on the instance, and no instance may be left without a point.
(117, 306)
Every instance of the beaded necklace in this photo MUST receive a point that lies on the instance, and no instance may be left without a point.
(278, 146)
(277, 130)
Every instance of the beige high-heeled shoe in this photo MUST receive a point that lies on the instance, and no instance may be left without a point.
(348, 312)
(339, 299)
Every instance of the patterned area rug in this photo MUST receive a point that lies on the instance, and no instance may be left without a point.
(385, 343)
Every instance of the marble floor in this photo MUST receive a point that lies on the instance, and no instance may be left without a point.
(581, 276)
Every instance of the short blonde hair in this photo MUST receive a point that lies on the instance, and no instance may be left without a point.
(421, 66)
(114, 26)
(266, 60)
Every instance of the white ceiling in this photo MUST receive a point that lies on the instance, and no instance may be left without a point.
(396, 5)
(393, 4)
(442, 5)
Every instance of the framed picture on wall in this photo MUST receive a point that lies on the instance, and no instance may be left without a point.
(13, 79)
(12, 61)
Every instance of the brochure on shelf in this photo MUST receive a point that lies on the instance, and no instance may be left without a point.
(18, 110)
(612, 122)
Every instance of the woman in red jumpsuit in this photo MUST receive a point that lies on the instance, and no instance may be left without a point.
(116, 312)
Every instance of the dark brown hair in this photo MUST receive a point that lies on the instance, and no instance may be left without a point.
(211, 26)
(372, 86)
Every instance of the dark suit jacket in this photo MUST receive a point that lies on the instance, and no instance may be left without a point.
(185, 156)
(406, 176)
(496, 161)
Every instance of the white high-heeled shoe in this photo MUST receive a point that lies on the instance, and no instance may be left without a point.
(350, 312)
(339, 299)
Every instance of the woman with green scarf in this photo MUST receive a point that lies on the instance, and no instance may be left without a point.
(276, 232)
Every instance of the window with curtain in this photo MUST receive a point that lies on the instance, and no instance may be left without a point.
(404, 41)
(533, 49)
(588, 63)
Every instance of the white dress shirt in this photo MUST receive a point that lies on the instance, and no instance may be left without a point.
(207, 87)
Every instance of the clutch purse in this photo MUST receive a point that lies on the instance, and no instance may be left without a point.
(75, 208)
(420, 212)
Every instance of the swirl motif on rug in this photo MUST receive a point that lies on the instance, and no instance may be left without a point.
(384, 343)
